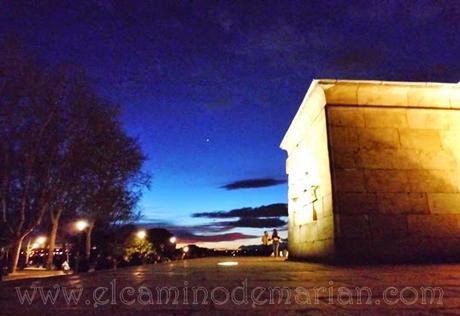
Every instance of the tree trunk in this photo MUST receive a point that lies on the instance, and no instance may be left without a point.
(16, 253)
(52, 238)
(88, 241)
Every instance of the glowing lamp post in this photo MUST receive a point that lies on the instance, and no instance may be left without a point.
(185, 250)
(40, 240)
(141, 234)
(172, 240)
(81, 225)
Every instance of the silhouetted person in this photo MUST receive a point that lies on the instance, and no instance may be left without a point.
(276, 243)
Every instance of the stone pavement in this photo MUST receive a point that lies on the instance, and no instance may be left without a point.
(257, 285)
(31, 273)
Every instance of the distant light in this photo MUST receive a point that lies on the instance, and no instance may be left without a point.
(81, 225)
(35, 245)
(185, 249)
(141, 234)
(228, 263)
(40, 240)
(172, 240)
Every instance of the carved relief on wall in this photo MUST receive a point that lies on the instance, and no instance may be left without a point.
(303, 189)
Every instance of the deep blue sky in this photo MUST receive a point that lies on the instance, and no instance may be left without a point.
(210, 87)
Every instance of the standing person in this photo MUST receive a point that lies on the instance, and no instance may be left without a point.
(265, 243)
(276, 243)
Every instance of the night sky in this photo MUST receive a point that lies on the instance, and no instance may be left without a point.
(209, 88)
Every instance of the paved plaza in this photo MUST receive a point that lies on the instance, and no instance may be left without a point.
(247, 285)
(32, 273)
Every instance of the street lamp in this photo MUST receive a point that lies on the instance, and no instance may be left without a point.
(141, 234)
(81, 226)
(40, 240)
(172, 240)
(184, 252)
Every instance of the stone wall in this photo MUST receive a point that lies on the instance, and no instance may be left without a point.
(311, 224)
(396, 181)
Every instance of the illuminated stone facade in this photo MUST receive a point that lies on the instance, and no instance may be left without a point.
(374, 171)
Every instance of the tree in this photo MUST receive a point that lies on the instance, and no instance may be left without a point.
(27, 117)
(117, 179)
(100, 169)
(63, 152)
(120, 241)
(100, 176)
(141, 248)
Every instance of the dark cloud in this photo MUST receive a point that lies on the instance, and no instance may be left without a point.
(210, 228)
(192, 238)
(266, 216)
(245, 222)
(266, 222)
(221, 226)
(272, 210)
(213, 232)
(253, 183)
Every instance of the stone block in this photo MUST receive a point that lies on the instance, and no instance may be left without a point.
(434, 226)
(343, 137)
(388, 117)
(345, 116)
(377, 138)
(435, 159)
(324, 248)
(313, 105)
(349, 180)
(343, 158)
(354, 226)
(355, 203)
(385, 226)
(386, 180)
(354, 249)
(444, 203)
(402, 203)
(327, 205)
(451, 140)
(325, 228)
(429, 97)
(433, 181)
(455, 98)
(427, 119)
(424, 139)
(384, 159)
(342, 94)
(307, 232)
(372, 94)
(454, 119)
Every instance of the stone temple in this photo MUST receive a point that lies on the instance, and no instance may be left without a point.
(374, 172)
